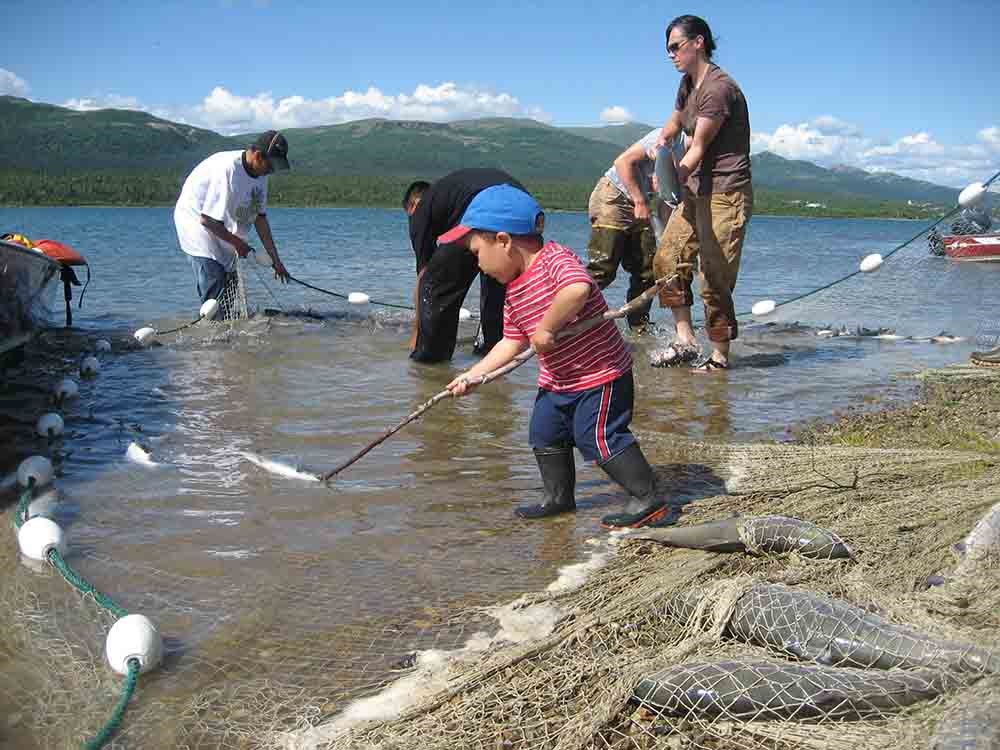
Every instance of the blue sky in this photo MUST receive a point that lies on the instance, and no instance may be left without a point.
(911, 88)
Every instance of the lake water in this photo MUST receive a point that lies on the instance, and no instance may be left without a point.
(259, 579)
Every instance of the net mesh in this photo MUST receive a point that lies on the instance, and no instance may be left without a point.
(758, 633)
(233, 298)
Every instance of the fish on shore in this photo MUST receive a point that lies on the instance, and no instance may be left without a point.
(758, 690)
(836, 633)
(754, 534)
(979, 550)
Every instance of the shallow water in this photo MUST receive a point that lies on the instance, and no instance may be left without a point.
(250, 574)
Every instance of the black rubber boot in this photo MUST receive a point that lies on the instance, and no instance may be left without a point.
(558, 480)
(632, 471)
(639, 321)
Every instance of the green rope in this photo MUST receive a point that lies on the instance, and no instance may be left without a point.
(76, 581)
(21, 515)
(116, 717)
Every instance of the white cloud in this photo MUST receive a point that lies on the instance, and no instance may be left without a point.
(225, 111)
(616, 115)
(108, 101)
(11, 84)
(829, 141)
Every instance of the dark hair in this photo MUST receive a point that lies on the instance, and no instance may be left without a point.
(693, 26)
(414, 191)
(535, 239)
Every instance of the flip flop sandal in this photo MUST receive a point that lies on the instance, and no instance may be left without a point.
(989, 358)
(675, 354)
(711, 365)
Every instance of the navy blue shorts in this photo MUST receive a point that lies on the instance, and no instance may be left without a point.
(595, 421)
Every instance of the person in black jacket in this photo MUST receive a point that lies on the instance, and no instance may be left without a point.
(445, 272)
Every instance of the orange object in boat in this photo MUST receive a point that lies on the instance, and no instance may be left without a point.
(60, 252)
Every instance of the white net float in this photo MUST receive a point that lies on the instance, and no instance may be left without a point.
(764, 307)
(38, 468)
(67, 388)
(38, 536)
(209, 308)
(49, 425)
(972, 195)
(89, 367)
(133, 637)
(145, 335)
(871, 263)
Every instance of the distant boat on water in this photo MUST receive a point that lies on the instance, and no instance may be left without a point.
(970, 238)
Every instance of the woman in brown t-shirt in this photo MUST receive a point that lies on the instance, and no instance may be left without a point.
(710, 224)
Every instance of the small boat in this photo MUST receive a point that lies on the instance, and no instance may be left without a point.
(970, 238)
(30, 276)
(971, 246)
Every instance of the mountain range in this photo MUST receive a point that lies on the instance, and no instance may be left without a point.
(43, 138)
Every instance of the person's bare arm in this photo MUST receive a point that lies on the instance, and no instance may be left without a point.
(565, 306)
(217, 228)
(264, 232)
(498, 356)
(625, 165)
(670, 130)
(704, 133)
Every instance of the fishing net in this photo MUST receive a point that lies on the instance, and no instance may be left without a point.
(233, 298)
(561, 667)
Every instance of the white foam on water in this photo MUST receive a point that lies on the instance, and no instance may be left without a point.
(519, 622)
(737, 470)
(138, 455)
(573, 576)
(233, 554)
(525, 624)
(276, 467)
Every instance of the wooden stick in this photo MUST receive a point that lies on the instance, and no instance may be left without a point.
(520, 359)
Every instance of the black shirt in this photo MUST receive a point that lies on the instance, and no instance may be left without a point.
(443, 203)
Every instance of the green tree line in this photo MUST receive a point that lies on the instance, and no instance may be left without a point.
(120, 188)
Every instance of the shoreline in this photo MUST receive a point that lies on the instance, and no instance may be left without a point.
(350, 206)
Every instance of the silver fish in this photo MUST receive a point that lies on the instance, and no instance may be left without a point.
(764, 691)
(668, 184)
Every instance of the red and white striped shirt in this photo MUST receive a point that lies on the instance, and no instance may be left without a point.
(581, 362)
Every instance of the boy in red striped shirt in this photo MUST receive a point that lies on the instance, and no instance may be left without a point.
(585, 389)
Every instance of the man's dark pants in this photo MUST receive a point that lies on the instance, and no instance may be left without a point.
(443, 286)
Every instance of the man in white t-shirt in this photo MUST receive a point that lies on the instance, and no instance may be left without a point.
(620, 232)
(220, 200)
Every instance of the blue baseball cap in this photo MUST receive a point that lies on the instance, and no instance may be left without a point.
(501, 208)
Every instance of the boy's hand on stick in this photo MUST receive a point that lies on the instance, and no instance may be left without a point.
(543, 340)
(463, 384)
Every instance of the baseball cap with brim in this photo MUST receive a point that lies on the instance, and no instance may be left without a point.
(501, 208)
(274, 146)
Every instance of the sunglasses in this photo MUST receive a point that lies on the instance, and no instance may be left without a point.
(673, 49)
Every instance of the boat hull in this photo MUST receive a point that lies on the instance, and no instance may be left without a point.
(972, 247)
(29, 285)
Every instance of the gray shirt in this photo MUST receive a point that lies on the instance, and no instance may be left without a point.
(644, 168)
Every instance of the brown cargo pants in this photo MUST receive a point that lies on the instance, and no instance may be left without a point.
(706, 232)
(618, 239)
